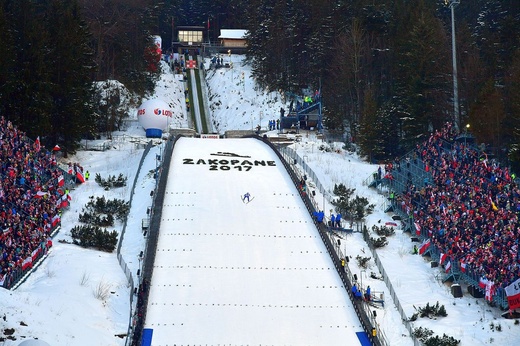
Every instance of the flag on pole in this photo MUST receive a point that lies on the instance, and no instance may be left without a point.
(40, 194)
(37, 145)
(513, 295)
(417, 228)
(482, 282)
(36, 253)
(55, 220)
(80, 176)
(63, 202)
(424, 246)
(448, 266)
(443, 258)
(463, 266)
(27, 263)
(490, 290)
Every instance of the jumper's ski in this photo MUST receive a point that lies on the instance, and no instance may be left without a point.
(246, 200)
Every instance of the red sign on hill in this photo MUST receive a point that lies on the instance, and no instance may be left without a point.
(191, 64)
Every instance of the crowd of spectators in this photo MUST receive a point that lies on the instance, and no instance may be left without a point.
(470, 209)
(30, 199)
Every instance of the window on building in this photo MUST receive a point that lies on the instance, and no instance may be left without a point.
(190, 36)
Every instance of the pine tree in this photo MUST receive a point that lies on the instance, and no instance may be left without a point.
(71, 71)
(25, 90)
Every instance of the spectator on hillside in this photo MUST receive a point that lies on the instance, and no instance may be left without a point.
(469, 209)
(30, 199)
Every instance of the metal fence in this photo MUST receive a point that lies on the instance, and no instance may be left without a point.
(138, 316)
(120, 258)
(390, 287)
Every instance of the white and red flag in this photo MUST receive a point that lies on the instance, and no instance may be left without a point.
(424, 246)
(417, 228)
(80, 176)
(463, 266)
(513, 295)
(490, 290)
(40, 194)
(55, 220)
(488, 286)
(27, 263)
(61, 180)
(37, 145)
(448, 266)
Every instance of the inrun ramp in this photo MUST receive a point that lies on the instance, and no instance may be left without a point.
(233, 273)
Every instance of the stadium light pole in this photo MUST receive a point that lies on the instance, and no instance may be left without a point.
(456, 116)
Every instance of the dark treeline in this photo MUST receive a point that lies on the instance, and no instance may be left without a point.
(53, 51)
(385, 67)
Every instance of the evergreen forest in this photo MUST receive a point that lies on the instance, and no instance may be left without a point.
(384, 68)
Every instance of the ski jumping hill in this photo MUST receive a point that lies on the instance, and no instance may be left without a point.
(235, 273)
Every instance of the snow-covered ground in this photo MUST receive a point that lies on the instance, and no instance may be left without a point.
(82, 297)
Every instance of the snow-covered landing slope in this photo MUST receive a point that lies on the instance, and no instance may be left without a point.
(232, 273)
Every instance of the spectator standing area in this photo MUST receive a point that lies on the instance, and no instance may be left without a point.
(466, 207)
(32, 194)
(230, 272)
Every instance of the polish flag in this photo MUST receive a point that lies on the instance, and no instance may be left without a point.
(63, 202)
(80, 176)
(55, 220)
(482, 283)
(490, 290)
(448, 266)
(417, 228)
(443, 258)
(37, 145)
(61, 180)
(27, 263)
(513, 295)
(36, 253)
(40, 194)
(424, 246)
(463, 267)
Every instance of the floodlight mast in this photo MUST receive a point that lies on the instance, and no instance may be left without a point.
(456, 114)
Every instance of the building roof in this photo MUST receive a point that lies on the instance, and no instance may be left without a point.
(237, 34)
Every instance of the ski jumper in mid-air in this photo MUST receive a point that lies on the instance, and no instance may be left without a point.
(246, 196)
